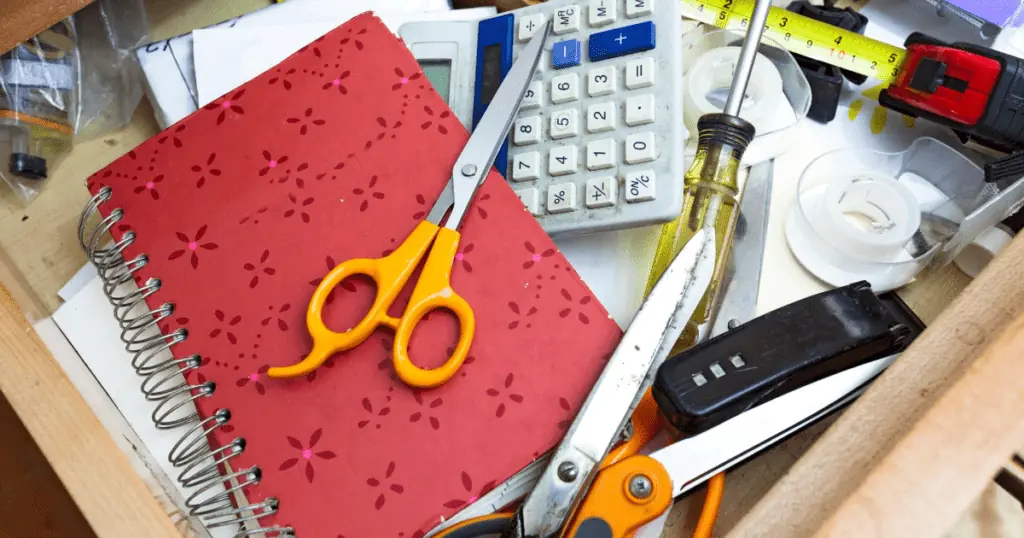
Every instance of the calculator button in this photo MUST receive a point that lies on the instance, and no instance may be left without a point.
(530, 199)
(640, 148)
(534, 95)
(565, 123)
(621, 41)
(601, 12)
(562, 160)
(601, 81)
(639, 8)
(526, 166)
(601, 192)
(600, 154)
(565, 88)
(566, 54)
(640, 186)
(640, 73)
(526, 131)
(528, 25)
(562, 198)
(601, 117)
(567, 20)
(640, 110)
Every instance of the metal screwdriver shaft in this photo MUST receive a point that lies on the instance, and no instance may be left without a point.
(748, 52)
(711, 187)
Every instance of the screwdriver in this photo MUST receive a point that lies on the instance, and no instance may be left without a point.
(710, 185)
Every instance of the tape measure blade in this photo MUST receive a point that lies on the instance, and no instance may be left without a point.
(804, 36)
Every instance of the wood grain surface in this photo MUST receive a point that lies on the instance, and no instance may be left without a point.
(95, 473)
(22, 19)
(893, 411)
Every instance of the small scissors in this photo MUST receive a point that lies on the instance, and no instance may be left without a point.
(433, 289)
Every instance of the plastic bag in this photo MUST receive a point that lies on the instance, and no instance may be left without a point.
(75, 80)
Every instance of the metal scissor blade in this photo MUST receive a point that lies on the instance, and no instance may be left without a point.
(608, 406)
(477, 158)
(693, 460)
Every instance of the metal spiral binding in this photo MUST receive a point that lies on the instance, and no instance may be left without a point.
(200, 466)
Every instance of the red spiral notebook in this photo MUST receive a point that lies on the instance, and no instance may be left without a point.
(243, 206)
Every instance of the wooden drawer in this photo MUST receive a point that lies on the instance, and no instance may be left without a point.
(907, 459)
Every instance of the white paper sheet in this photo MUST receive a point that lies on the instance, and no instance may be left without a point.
(226, 58)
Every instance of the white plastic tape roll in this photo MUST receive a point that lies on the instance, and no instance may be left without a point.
(708, 82)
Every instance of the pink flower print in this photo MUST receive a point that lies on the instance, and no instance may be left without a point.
(306, 121)
(290, 174)
(358, 191)
(227, 331)
(393, 486)
(436, 121)
(298, 207)
(404, 79)
(172, 136)
(536, 257)
(255, 378)
(192, 246)
(281, 323)
(495, 393)
(314, 47)
(306, 453)
(150, 187)
(564, 404)
(255, 216)
(460, 257)
(263, 268)
(272, 162)
(338, 82)
(227, 104)
(473, 495)
(207, 170)
(282, 78)
(374, 415)
(514, 307)
(434, 404)
(568, 310)
(422, 212)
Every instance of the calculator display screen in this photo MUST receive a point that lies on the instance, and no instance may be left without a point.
(491, 73)
(439, 73)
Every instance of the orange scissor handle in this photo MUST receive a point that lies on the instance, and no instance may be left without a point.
(390, 273)
(434, 291)
(612, 510)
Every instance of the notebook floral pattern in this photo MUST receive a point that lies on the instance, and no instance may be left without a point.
(246, 204)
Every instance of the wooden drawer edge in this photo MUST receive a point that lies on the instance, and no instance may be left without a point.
(111, 496)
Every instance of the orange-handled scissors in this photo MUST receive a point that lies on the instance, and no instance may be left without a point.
(433, 289)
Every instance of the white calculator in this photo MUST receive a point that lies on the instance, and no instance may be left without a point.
(598, 143)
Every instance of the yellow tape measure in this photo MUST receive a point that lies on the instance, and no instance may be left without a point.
(805, 36)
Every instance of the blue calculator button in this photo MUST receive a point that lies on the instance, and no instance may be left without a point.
(566, 54)
(621, 41)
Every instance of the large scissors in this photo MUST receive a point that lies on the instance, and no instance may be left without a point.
(433, 289)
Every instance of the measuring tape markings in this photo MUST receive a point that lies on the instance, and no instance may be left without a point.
(805, 36)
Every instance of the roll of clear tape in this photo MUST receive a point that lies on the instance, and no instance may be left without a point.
(708, 81)
(856, 227)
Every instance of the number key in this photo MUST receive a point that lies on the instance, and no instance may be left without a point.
(565, 123)
(526, 166)
(601, 81)
(565, 88)
(640, 148)
(601, 117)
(526, 131)
(562, 160)
(534, 95)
